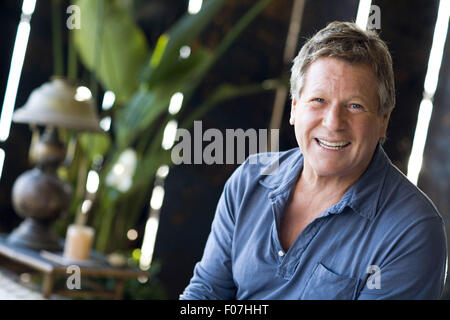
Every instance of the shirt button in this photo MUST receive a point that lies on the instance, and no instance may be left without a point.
(280, 253)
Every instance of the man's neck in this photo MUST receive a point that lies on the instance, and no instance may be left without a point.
(336, 186)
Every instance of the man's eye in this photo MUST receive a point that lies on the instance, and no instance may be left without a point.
(320, 100)
(356, 106)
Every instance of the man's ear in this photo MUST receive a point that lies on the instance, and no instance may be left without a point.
(292, 117)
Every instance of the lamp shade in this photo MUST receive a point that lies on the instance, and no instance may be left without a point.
(56, 103)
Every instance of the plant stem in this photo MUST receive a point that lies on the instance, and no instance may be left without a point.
(57, 38)
(72, 61)
(97, 47)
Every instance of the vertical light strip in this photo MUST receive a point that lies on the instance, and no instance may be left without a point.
(430, 85)
(170, 132)
(437, 48)
(151, 227)
(363, 13)
(420, 137)
(194, 6)
(156, 200)
(108, 101)
(15, 71)
(92, 182)
(176, 102)
(2, 160)
(148, 244)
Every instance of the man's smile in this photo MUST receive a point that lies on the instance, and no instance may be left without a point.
(329, 145)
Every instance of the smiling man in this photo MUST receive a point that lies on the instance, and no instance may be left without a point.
(337, 220)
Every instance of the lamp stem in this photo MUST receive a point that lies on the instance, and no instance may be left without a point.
(40, 197)
(49, 151)
(34, 139)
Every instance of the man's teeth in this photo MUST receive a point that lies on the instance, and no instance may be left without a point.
(333, 145)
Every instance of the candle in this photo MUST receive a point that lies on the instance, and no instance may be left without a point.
(78, 243)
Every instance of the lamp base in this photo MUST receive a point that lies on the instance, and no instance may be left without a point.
(35, 235)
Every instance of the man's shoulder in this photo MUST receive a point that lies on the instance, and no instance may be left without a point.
(400, 196)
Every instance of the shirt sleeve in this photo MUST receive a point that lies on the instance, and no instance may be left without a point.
(415, 267)
(213, 277)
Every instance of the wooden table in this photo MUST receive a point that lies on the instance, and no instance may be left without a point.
(52, 265)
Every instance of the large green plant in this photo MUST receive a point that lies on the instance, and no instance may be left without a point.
(144, 79)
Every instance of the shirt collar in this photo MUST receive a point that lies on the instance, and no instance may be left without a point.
(290, 164)
(362, 196)
(365, 193)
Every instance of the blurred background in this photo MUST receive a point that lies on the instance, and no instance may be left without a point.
(152, 66)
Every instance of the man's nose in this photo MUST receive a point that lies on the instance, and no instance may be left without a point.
(334, 117)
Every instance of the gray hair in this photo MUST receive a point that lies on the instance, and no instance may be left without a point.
(345, 40)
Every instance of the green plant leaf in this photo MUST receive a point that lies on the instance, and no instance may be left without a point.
(151, 102)
(121, 46)
(143, 86)
(94, 144)
(182, 33)
(170, 74)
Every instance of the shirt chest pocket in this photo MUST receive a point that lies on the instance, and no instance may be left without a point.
(325, 284)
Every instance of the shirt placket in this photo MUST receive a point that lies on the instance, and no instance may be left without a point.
(288, 261)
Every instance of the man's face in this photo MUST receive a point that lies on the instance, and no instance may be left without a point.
(336, 119)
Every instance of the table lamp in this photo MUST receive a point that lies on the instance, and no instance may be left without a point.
(39, 195)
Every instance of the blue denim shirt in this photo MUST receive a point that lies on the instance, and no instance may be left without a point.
(383, 240)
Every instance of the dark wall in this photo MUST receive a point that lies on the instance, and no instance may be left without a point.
(434, 178)
(407, 27)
